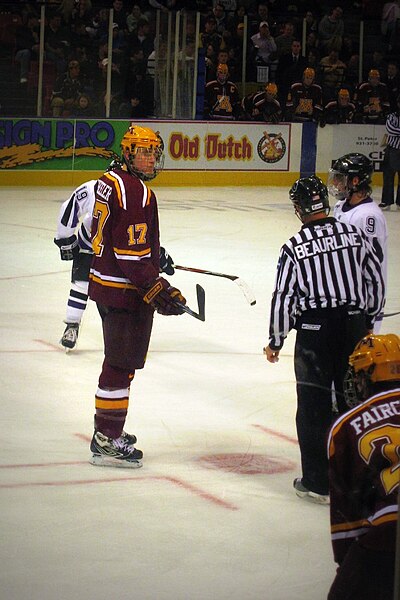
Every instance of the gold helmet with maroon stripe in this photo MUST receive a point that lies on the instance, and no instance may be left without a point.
(308, 75)
(271, 89)
(222, 73)
(142, 152)
(374, 362)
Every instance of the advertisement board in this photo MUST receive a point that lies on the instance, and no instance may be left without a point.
(58, 144)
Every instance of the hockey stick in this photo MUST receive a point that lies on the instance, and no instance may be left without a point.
(391, 314)
(201, 300)
(242, 284)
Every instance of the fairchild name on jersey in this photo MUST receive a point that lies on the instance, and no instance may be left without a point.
(374, 415)
(327, 244)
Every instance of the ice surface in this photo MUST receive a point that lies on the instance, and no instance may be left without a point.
(212, 514)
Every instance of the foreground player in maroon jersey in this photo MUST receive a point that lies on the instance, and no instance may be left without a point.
(364, 472)
(125, 284)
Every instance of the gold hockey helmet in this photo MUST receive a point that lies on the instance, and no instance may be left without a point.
(309, 73)
(374, 74)
(375, 359)
(344, 94)
(271, 88)
(139, 143)
(222, 72)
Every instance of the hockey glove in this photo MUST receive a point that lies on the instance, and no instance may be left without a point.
(166, 262)
(163, 297)
(69, 248)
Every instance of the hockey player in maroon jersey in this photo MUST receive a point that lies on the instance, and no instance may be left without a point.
(221, 97)
(125, 284)
(364, 473)
(263, 105)
(371, 99)
(340, 110)
(304, 101)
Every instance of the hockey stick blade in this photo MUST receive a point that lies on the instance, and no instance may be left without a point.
(246, 291)
(201, 301)
(242, 284)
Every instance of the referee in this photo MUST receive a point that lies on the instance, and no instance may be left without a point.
(391, 160)
(329, 287)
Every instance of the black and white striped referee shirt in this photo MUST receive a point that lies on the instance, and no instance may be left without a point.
(327, 264)
(393, 130)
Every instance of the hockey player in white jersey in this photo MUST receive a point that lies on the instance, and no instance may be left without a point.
(349, 181)
(73, 239)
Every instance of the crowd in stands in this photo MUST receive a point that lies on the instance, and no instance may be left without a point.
(319, 82)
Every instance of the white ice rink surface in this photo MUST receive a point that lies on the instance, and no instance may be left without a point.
(212, 514)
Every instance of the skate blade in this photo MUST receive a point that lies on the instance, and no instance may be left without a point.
(312, 497)
(99, 460)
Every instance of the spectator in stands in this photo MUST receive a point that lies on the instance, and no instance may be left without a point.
(56, 43)
(264, 46)
(118, 79)
(284, 40)
(98, 29)
(221, 98)
(221, 58)
(27, 45)
(140, 97)
(263, 105)
(372, 100)
(67, 90)
(290, 69)
(262, 16)
(134, 17)
(120, 14)
(221, 20)
(304, 101)
(142, 38)
(340, 110)
(236, 19)
(389, 19)
(376, 61)
(331, 31)
(332, 74)
(164, 5)
(392, 81)
(352, 73)
(210, 34)
(312, 44)
(229, 6)
(83, 107)
(311, 23)
(312, 58)
(82, 13)
(348, 49)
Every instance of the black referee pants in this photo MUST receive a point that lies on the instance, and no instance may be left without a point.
(391, 166)
(325, 339)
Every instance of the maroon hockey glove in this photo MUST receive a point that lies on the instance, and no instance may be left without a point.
(163, 297)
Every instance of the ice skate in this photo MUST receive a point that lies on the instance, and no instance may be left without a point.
(108, 452)
(303, 492)
(70, 336)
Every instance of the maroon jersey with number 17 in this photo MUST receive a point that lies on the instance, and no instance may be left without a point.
(125, 239)
(364, 473)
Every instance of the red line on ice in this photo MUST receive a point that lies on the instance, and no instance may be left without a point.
(173, 480)
(278, 434)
